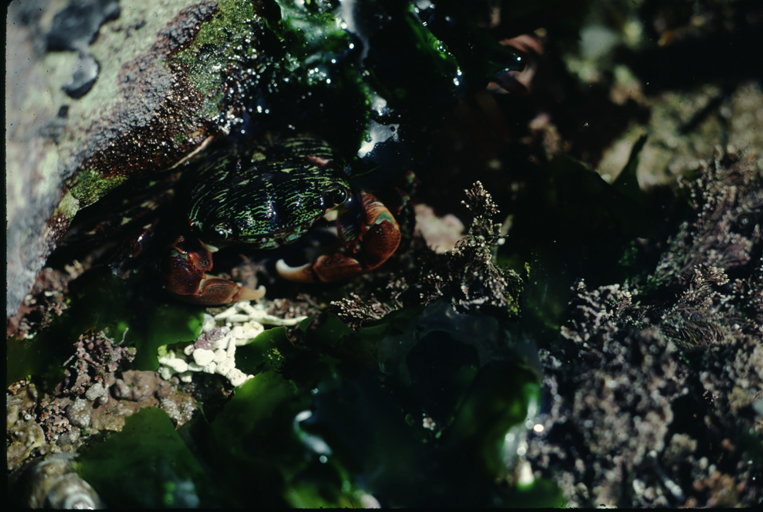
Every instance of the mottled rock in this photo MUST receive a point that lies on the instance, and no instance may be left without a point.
(136, 385)
(79, 412)
(146, 111)
(24, 437)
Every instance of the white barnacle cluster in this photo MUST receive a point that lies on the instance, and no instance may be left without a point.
(215, 351)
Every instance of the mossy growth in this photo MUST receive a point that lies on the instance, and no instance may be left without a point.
(217, 44)
(89, 185)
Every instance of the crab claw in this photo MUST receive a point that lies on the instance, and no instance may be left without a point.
(183, 274)
(367, 229)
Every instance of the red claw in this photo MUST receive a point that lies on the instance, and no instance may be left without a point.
(183, 273)
(371, 245)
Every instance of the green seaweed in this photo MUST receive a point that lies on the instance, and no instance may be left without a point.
(268, 351)
(418, 414)
(131, 311)
(254, 451)
(146, 465)
(134, 309)
(460, 370)
(426, 423)
(40, 357)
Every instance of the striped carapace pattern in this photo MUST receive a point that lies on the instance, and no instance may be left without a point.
(266, 194)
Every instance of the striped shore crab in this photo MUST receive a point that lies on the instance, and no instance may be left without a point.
(318, 68)
(266, 195)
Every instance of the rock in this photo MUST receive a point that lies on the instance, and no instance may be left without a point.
(145, 112)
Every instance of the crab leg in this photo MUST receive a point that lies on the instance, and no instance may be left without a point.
(367, 229)
(183, 274)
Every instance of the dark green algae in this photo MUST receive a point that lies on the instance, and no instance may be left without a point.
(132, 311)
(321, 426)
(324, 423)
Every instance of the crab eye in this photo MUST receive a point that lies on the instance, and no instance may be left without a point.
(335, 196)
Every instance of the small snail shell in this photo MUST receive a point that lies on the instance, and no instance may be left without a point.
(51, 482)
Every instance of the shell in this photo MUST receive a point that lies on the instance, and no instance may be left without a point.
(51, 482)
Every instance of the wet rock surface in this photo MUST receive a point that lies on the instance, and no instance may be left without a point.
(44, 303)
(140, 111)
(74, 28)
